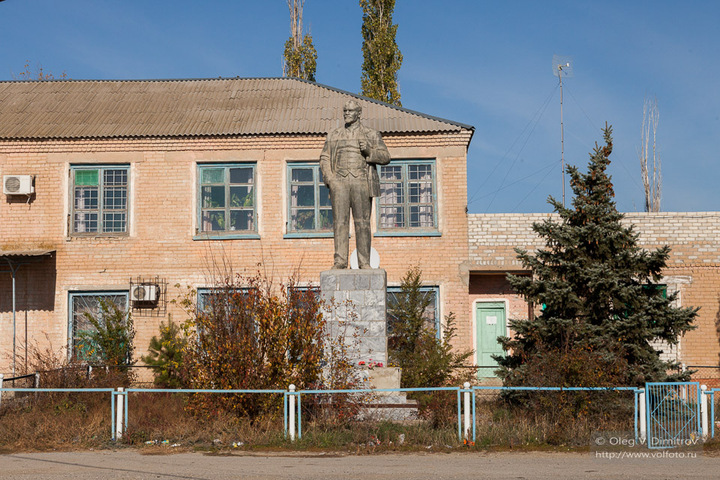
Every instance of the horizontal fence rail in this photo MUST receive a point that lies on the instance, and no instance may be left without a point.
(292, 402)
(299, 393)
(205, 390)
(111, 391)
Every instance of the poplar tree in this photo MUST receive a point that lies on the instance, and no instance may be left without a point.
(381, 55)
(300, 56)
(598, 303)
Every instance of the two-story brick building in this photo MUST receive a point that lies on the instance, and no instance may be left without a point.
(163, 182)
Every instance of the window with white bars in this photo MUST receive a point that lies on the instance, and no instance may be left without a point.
(82, 305)
(407, 196)
(431, 314)
(100, 199)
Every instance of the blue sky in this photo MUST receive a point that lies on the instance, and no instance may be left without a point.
(483, 63)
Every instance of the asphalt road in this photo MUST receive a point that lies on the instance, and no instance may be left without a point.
(138, 464)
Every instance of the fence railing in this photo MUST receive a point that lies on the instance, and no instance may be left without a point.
(111, 391)
(466, 398)
(292, 402)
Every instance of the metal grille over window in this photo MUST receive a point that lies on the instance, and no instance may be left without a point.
(82, 305)
(407, 195)
(100, 199)
(430, 315)
(310, 209)
(227, 198)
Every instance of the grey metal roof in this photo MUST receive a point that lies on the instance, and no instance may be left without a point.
(180, 108)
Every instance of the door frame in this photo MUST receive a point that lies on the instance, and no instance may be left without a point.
(475, 304)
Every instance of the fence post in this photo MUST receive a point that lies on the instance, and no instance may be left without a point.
(712, 413)
(119, 415)
(704, 411)
(1, 385)
(291, 414)
(37, 379)
(466, 402)
(643, 415)
(89, 372)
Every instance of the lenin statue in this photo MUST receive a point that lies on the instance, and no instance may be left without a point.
(348, 164)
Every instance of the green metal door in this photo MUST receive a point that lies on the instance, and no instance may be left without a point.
(490, 324)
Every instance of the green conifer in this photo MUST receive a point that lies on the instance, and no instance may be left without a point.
(594, 291)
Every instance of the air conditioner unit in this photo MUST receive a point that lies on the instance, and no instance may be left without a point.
(144, 293)
(18, 184)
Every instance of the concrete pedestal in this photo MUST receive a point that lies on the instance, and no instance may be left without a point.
(355, 302)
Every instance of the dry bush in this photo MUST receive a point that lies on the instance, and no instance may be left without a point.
(55, 422)
(578, 367)
(250, 334)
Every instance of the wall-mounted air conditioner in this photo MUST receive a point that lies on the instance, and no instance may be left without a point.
(144, 293)
(18, 185)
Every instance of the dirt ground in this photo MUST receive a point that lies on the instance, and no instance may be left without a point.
(136, 464)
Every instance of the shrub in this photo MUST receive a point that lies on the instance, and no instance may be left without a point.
(413, 345)
(110, 341)
(426, 359)
(250, 335)
(557, 367)
(165, 354)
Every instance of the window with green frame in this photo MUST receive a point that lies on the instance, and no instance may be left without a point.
(227, 198)
(208, 296)
(407, 196)
(309, 209)
(99, 199)
(81, 305)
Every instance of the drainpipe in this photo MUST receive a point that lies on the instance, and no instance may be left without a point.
(13, 270)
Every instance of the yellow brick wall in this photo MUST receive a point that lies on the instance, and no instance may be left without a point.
(693, 266)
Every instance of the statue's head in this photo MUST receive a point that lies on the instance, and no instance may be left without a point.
(351, 112)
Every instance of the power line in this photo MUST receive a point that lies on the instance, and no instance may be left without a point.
(536, 121)
(632, 176)
(505, 187)
(532, 120)
(536, 185)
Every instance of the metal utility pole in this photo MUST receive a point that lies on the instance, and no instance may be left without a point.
(562, 133)
(562, 68)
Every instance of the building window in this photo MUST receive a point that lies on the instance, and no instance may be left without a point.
(100, 199)
(302, 296)
(83, 304)
(407, 196)
(227, 198)
(431, 315)
(221, 299)
(309, 209)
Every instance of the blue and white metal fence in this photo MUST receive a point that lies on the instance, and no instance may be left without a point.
(128, 391)
(636, 391)
(296, 395)
(673, 413)
(646, 416)
(111, 391)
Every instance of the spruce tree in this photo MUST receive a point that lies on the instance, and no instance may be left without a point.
(381, 55)
(595, 295)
